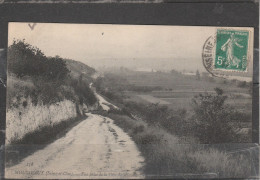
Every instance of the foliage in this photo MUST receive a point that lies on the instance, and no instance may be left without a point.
(41, 137)
(197, 75)
(173, 71)
(26, 60)
(83, 91)
(174, 121)
(110, 82)
(212, 118)
(78, 69)
(48, 78)
(164, 155)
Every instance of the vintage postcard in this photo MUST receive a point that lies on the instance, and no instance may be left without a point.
(91, 101)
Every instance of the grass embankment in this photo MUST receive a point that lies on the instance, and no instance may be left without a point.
(165, 157)
(48, 134)
(38, 139)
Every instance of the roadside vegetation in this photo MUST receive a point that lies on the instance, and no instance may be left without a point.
(37, 140)
(44, 79)
(37, 86)
(167, 155)
(183, 143)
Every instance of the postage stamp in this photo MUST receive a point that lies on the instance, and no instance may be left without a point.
(227, 51)
(231, 50)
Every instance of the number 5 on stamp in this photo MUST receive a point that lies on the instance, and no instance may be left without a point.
(231, 50)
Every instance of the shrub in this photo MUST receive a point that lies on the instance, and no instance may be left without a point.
(174, 121)
(212, 118)
(83, 91)
(138, 129)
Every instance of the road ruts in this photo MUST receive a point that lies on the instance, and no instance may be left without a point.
(95, 148)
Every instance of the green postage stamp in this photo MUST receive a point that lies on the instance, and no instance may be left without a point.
(231, 50)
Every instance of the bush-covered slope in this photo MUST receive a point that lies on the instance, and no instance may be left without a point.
(43, 91)
(78, 69)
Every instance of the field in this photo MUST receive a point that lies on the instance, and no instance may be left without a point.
(177, 100)
(180, 82)
(153, 99)
(178, 90)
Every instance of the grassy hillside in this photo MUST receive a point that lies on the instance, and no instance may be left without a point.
(167, 157)
(193, 141)
(78, 69)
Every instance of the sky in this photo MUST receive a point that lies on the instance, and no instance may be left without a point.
(139, 46)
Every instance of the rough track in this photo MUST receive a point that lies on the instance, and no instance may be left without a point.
(95, 148)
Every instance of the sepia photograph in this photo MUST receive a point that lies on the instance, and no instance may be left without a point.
(106, 101)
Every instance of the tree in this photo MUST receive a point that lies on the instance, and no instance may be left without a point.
(197, 75)
(26, 60)
(98, 83)
(212, 118)
(173, 71)
(83, 91)
(23, 59)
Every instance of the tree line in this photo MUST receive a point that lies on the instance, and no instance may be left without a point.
(50, 76)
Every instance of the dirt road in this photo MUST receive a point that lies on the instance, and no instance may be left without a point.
(95, 148)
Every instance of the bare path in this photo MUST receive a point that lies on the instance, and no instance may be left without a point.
(95, 148)
(103, 103)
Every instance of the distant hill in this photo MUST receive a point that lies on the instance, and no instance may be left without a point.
(77, 68)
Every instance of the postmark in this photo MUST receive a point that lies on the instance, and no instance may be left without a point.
(208, 54)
